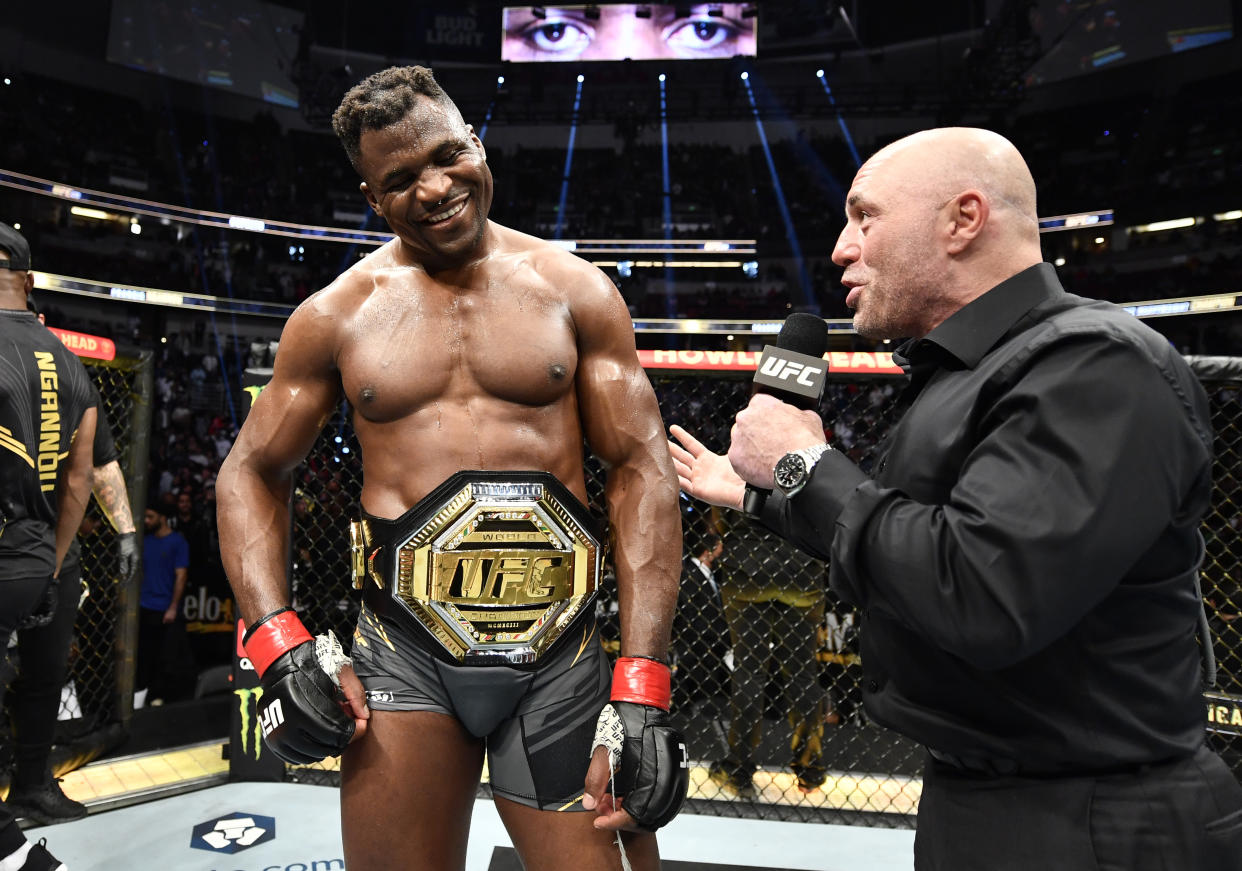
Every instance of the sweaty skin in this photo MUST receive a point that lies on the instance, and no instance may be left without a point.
(460, 344)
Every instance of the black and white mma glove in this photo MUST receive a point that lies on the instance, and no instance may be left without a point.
(300, 709)
(650, 766)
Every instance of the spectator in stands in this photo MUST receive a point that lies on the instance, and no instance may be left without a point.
(700, 631)
(162, 646)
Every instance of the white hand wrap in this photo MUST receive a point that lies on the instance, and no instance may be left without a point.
(331, 656)
(609, 733)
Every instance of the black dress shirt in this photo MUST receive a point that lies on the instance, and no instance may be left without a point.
(1025, 559)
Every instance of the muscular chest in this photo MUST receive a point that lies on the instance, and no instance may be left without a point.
(415, 345)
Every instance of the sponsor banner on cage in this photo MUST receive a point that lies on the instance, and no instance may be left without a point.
(86, 345)
(1224, 713)
(249, 758)
(839, 362)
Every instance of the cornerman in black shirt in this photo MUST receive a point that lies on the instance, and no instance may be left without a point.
(46, 430)
(1025, 559)
(44, 651)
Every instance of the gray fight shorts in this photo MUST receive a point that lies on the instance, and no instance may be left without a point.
(538, 724)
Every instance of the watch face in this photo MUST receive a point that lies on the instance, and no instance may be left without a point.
(790, 471)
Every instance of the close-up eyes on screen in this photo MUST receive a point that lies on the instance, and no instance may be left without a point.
(616, 32)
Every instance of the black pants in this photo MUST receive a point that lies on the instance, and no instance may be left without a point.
(165, 662)
(759, 631)
(1178, 816)
(18, 597)
(43, 666)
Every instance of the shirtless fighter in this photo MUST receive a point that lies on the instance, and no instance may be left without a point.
(476, 359)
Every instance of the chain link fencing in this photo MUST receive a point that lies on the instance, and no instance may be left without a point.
(767, 676)
(106, 642)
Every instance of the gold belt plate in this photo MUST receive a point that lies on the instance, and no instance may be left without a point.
(500, 570)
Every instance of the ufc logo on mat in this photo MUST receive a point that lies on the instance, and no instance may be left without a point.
(271, 717)
(783, 370)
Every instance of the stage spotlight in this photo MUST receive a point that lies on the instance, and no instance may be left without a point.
(819, 74)
(591, 13)
(539, 12)
(715, 11)
(661, 76)
(642, 11)
(500, 80)
(581, 79)
(750, 10)
(745, 76)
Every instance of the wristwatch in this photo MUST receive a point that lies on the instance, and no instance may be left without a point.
(793, 470)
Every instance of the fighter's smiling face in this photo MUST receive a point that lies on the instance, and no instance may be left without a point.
(427, 175)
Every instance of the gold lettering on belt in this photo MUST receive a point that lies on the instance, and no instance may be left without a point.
(499, 570)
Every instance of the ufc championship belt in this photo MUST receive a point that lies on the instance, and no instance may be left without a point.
(493, 566)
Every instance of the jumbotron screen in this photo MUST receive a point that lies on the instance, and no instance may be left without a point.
(1082, 36)
(246, 46)
(628, 31)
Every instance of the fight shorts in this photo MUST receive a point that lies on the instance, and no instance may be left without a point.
(538, 724)
(478, 602)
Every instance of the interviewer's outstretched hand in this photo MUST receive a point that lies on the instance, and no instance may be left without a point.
(703, 474)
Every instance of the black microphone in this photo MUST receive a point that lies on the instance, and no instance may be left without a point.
(794, 371)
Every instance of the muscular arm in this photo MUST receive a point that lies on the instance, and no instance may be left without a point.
(109, 489)
(254, 482)
(622, 424)
(73, 487)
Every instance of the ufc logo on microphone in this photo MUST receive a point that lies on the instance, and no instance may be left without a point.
(271, 717)
(783, 370)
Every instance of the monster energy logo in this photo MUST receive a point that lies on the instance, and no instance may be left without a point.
(247, 699)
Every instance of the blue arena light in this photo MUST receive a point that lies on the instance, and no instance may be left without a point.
(559, 231)
(819, 74)
(845, 130)
(500, 80)
(781, 201)
(581, 79)
(745, 76)
(666, 201)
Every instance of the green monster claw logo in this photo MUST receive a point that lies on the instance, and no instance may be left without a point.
(247, 699)
(254, 391)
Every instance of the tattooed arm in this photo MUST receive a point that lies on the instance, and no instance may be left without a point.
(109, 489)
